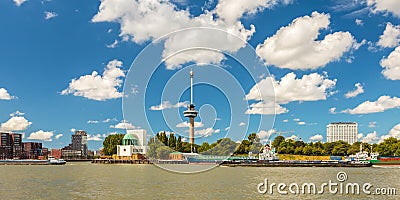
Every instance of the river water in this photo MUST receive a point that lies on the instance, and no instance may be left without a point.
(120, 181)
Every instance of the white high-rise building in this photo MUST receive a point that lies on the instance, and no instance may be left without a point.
(345, 131)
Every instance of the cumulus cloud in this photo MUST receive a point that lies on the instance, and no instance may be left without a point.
(123, 125)
(312, 87)
(92, 122)
(394, 132)
(386, 6)
(167, 105)
(186, 124)
(296, 46)
(150, 19)
(317, 137)
(16, 123)
(293, 137)
(332, 110)
(4, 95)
(242, 124)
(204, 132)
(390, 37)
(98, 87)
(285, 120)
(231, 11)
(113, 45)
(265, 135)
(391, 65)
(359, 90)
(383, 103)
(41, 135)
(19, 2)
(301, 123)
(49, 15)
(58, 136)
(94, 137)
(369, 138)
(296, 119)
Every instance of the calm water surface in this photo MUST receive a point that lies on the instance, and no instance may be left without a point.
(98, 181)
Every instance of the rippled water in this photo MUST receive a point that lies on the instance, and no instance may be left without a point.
(99, 181)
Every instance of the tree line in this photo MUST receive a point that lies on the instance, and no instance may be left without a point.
(163, 144)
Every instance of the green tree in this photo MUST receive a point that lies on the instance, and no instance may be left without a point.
(110, 144)
(204, 147)
(277, 141)
(179, 144)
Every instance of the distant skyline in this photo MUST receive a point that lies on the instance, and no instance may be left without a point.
(64, 65)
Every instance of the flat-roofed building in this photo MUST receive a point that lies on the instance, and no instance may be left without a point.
(344, 131)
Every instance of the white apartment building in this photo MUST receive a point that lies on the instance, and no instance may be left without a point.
(345, 131)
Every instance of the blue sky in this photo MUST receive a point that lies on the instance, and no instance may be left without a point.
(327, 61)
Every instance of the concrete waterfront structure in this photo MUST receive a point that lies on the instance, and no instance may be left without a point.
(191, 112)
(344, 131)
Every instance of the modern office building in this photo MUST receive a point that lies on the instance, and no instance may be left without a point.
(32, 150)
(10, 145)
(344, 131)
(78, 148)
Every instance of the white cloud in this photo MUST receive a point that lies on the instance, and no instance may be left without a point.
(285, 120)
(265, 135)
(301, 123)
(72, 130)
(296, 119)
(98, 87)
(332, 110)
(92, 122)
(217, 131)
(312, 87)
(360, 136)
(296, 46)
(19, 2)
(293, 137)
(123, 125)
(390, 37)
(113, 45)
(391, 65)
(109, 120)
(317, 137)
(383, 103)
(4, 95)
(204, 132)
(41, 135)
(231, 11)
(359, 90)
(16, 123)
(369, 138)
(58, 136)
(372, 124)
(17, 113)
(359, 22)
(150, 19)
(386, 6)
(94, 137)
(167, 105)
(242, 124)
(266, 108)
(49, 15)
(227, 128)
(186, 124)
(394, 132)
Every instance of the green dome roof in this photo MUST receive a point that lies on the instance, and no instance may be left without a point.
(130, 139)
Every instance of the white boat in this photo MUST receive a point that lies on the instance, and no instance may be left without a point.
(55, 161)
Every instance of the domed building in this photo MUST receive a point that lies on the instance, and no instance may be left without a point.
(134, 142)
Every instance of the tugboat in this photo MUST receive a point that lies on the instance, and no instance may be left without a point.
(55, 161)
